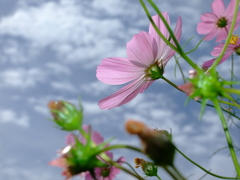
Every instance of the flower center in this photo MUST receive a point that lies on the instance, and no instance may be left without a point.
(154, 71)
(105, 172)
(222, 22)
(234, 39)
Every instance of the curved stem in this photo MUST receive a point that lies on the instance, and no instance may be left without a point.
(171, 83)
(118, 146)
(117, 165)
(228, 136)
(230, 104)
(208, 172)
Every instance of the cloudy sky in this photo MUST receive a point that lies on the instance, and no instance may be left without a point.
(49, 50)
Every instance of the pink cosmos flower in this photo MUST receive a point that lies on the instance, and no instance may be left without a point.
(147, 56)
(217, 23)
(234, 46)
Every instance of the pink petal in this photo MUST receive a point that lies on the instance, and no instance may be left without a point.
(204, 28)
(118, 70)
(209, 63)
(221, 34)
(210, 35)
(230, 9)
(218, 8)
(70, 139)
(217, 50)
(97, 138)
(125, 94)
(59, 162)
(142, 49)
(162, 28)
(168, 52)
(209, 18)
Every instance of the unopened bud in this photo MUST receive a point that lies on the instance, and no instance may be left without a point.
(156, 144)
(148, 168)
(66, 115)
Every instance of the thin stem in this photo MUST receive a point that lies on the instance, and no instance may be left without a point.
(230, 104)
(171, 83)
(125, 169)
(228, 136)
(158, 177)
(178, 172)
(118, 146)
(208, 172)
(228, 37)
(170, 173)
(231, 90)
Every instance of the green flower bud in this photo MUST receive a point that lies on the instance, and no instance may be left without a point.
(148, 168)
(66, 115)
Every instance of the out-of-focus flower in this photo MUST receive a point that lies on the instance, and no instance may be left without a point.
(105, 173)
(234, 46)
(81, 155)
(66, 115)
(156, 144)
(101, 173)
(218, 22)
(147, 55)
(148, 168)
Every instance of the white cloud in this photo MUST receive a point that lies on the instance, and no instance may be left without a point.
(10, 116)
(21, 78)
(63, 86)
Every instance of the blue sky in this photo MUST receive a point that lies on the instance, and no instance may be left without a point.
(49, 50)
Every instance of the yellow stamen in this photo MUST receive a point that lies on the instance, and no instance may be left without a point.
(234, 39)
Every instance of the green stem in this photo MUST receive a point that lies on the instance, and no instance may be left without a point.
(158, 177)
(228, 136)
(119, 146)
(228, 37)
(117, 165)
(208, 172)
(171, 83)
(230, 104)
(231, 90)
(170, 173)
(178, 172)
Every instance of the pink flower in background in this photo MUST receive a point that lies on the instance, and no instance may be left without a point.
(147, 56)
(107, 173)
(218, 22)
(234, 46)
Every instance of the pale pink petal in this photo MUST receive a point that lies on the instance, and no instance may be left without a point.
(142, 48)
(70, 139)
(168, 52)
(97, 138)
(125, 94)
(221, 34)
(230, 9)
(217, 50)
(204, 28)
(209, 63)
(218, 7)
(209, 18)
(210, 35)
(59, 162)
(162, 28)
(118, 70)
